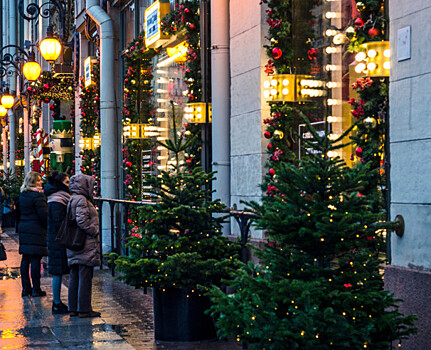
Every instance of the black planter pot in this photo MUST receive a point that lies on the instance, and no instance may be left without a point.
(181, 318)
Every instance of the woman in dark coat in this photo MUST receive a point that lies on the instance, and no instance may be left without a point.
(31, 227)
(57, 192)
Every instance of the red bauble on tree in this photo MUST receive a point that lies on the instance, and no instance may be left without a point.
(270, 146)
(46, 100)
(359, 22)
(276, 53)
(359, 152)
(372, 32)
(271, 172)
(267, 134)
(46, 87)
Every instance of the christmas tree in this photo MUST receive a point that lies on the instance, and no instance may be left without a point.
(319, 284)
(180, 243)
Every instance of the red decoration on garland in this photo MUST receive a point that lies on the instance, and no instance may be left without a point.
(270, 146)
(276, 53)
(359, 22)
(46, 100)
(359, 152)
(372, 32)
(267, 134)
(271, 172)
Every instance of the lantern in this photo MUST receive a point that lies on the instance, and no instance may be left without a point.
(31, 70)
(3, 111)
(7, 101)
(50, 47)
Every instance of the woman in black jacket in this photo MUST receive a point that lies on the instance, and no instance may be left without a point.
(57, 192)
(31, 226)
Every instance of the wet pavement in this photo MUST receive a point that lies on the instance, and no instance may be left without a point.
(126, 322)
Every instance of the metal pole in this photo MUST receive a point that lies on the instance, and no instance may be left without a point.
(27, 141)
(206, 83)
(108, 148)
(221, 100)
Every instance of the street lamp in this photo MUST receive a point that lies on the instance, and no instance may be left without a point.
(31, 68)
(3, 111)
(7, 101)
(50, 47)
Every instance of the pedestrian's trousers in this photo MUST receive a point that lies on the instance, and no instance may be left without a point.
(80, 281)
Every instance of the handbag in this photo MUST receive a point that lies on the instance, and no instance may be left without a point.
(70, 235)
(3, 255)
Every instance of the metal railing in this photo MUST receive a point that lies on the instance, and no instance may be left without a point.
(120, 226)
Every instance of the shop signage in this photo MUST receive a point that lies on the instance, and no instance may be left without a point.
(152, 25)
(305, 134)
(88, 68)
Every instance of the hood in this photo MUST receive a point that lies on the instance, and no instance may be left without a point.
(82, 184)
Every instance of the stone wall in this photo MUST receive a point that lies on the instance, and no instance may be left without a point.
(247, 58)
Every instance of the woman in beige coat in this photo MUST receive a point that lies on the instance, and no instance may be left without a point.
(82, 262)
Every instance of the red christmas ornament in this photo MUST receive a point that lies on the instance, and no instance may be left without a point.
(270, 146)
(267, 134)
(372, 32)
(359, 22)
(192, 26)
(271, 172)
(128, 163)
(359, 152)
(51, 107)
(46, 87)
(29, 89)
(46, 100)
(276, 53)
(186, 10)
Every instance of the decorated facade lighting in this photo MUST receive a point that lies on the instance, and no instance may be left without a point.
(196, 112)
(374, 60)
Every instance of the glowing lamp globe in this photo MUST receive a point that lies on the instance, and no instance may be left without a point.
(50, 49)
(3, 111)
(7, 101)
(31, 70)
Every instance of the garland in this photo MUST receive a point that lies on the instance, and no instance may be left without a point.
(49, 88)
(138, 108)
(371, 108)
(90, 125)
(186, 19)
(369, 24)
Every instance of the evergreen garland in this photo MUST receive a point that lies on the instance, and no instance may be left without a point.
(138, 108)
(370, 23)
(49, 88)
(90, 125)
(185, 20)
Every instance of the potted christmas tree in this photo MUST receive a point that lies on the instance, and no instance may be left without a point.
(320, 283)
(181, 249)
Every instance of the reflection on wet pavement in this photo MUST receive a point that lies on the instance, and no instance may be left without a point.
(126, 322)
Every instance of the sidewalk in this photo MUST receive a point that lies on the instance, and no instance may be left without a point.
(126, 322)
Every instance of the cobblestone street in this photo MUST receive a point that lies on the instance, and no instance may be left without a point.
(126, 322)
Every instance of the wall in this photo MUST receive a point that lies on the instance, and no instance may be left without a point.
(247, 58)
(410, 136)
(410, 140)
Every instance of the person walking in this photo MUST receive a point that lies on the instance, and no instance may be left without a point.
(31, 227)
(82, 262)
(58, 194)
